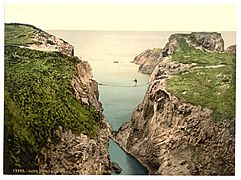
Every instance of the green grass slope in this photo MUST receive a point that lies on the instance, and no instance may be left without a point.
(213, 88)
(38, 98)
(19, 34)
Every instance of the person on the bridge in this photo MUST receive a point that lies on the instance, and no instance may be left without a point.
(135, 82)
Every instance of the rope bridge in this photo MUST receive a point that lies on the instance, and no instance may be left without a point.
(124, 86)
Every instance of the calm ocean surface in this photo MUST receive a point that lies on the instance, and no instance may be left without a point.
(100, 49)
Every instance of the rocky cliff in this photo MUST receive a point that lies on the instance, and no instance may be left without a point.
(85, 88)
(199, 40)
(176, 130)
(53, 121)
(148, 60)
(77, 153)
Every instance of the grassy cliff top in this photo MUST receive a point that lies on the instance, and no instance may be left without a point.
(211, 87)
(19, 34)
(188, 54)
(38, 98)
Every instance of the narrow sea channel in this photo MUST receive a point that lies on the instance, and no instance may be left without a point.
(119, 103)
(119, 97)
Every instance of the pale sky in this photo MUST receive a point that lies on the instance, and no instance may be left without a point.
(141, 17)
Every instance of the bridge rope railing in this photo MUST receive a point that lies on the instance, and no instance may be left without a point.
(124, 86)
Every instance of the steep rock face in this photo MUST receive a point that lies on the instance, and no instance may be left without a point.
(231, 49)
(177, 138)
(77, 153)
(85, 88)
(148, 60)
(206, 41)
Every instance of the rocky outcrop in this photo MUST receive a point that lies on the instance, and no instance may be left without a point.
(206, 41)
(148, 60)
(171, 45)
(231, 49)
(41, 40)
(177, 138)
